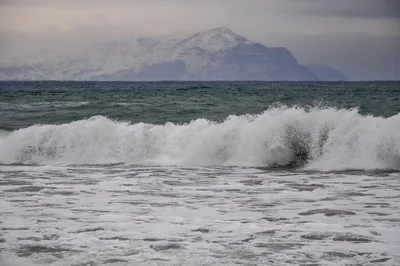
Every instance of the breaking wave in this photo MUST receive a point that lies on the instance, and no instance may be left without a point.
(315, 138)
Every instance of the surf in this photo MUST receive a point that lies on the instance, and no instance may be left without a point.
(321, 138)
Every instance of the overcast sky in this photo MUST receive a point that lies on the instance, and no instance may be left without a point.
(359, 37)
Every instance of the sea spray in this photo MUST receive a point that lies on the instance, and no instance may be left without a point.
(315, 138)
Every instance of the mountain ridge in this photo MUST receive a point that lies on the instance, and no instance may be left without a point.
(327, 73)
(213, 54)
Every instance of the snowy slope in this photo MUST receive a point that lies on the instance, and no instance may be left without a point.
(216, 54)
(213, 40)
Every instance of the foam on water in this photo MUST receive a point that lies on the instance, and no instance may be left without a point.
(316, 138)
(127, 215)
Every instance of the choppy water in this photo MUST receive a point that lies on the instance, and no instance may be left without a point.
(199, 173)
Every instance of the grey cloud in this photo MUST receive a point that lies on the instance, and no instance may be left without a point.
(320, 8)
(92, 3)
(353, 8)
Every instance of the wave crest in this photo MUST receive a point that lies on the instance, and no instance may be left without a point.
(316, 138)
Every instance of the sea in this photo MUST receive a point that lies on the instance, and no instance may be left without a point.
(199, 173)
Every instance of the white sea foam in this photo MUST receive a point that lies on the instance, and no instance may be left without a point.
(318, 138)
(145, 215)
(3, 134)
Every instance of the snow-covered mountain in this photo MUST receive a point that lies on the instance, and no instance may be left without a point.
(216, 54)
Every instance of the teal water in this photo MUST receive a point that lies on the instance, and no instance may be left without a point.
(228, 173)
(27, 103)
(351, 125)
